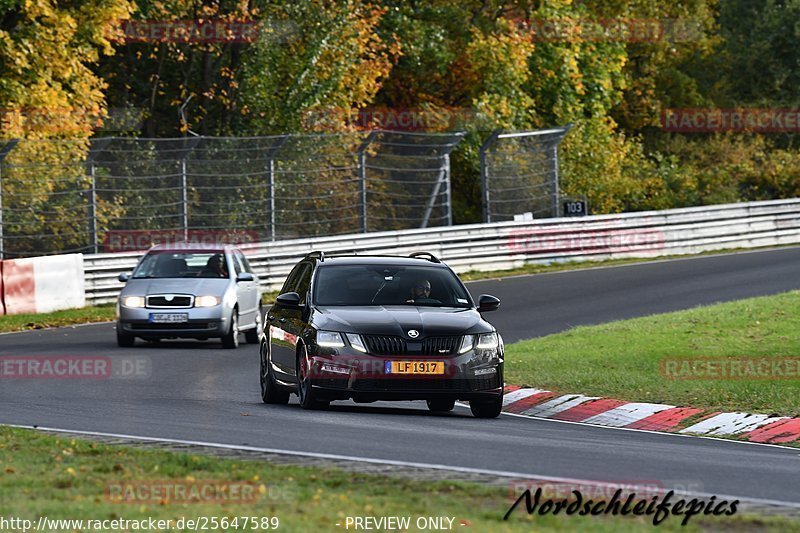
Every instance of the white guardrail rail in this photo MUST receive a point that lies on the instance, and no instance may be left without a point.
(506, 245)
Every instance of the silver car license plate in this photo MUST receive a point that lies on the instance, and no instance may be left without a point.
(168, 318)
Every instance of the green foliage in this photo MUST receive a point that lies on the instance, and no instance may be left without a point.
(759, 52)
(329, 61)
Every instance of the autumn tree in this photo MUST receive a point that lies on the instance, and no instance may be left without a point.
(50, 90)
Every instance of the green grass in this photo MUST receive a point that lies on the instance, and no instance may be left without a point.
(68, 478)
(622, 359)
(67, 317)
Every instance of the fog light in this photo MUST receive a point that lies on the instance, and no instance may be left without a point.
(335, 369)
(485, 371)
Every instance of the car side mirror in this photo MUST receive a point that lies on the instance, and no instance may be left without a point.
(487, 302)
(289, 299)
(123, 278)
(244, 276)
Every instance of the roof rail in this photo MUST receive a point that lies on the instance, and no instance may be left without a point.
(430, 257)
(317, 253)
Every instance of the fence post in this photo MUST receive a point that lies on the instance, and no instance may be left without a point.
(95, 148)
(184, 198)
(3, 153)
(556, 185)
(432, 200)
(272, 231)
(184, 202)
(487, 214)
(93, 208)
(362, 176)
(448, 198)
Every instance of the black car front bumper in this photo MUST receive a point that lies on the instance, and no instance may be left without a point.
(466, 378)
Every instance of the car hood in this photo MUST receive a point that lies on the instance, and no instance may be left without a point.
(196, 286)
(398, 320)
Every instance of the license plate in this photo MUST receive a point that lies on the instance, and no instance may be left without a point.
(414, 367)
(168, 318)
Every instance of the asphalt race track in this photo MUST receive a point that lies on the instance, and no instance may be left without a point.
(197, 391)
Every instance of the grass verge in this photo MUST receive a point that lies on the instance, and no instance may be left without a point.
(624, 359)
(43, 475)
(67, 317)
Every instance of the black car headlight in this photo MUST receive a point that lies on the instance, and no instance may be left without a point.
(329, 339)
(467, 343)
(486, 346)
(356, 342)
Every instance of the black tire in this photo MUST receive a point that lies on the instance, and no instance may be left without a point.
(441, 406)
(305, 392)
(487, 409)
(270, 392)
(253, 336)
(231, 338)
(124, 340)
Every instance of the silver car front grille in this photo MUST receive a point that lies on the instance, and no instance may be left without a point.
(169, 301)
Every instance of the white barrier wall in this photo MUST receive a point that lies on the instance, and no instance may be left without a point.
(506, 245)
(43, 284)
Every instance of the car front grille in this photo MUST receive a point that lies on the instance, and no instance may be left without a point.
(392, 345)
(385, 345)
(169, 301)
(440, 345)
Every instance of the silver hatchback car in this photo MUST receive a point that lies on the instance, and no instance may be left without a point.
(198, 292)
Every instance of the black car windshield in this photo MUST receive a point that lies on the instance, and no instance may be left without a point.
(365, 285)
(189, 264)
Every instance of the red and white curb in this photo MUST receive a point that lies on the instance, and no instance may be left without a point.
(649, 416)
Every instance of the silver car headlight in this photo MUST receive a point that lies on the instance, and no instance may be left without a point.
(206, 301)
(133, 301)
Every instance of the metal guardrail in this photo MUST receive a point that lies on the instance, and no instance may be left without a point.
(506, 245)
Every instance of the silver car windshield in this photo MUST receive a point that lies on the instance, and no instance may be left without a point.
(365, 285)
(182, 265)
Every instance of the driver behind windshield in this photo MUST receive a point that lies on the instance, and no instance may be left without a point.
(420, 293)
(215, 267)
